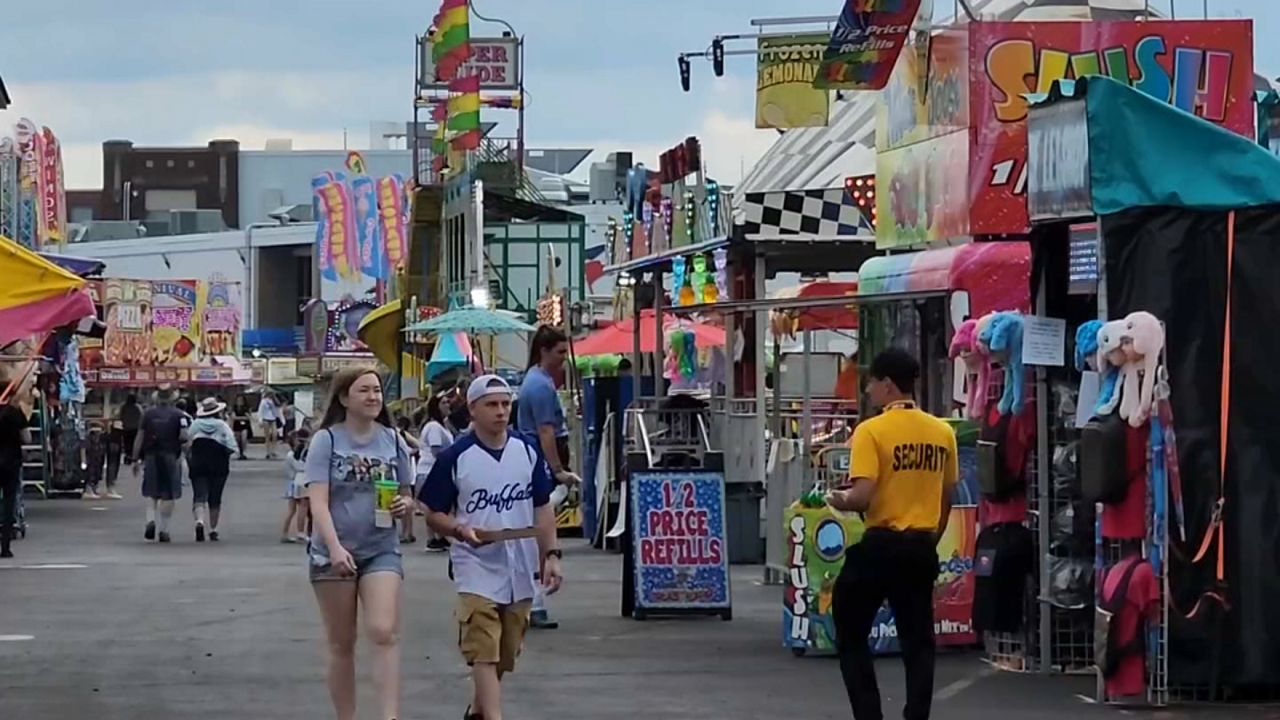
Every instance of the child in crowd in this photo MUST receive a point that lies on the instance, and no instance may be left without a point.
(296, 490)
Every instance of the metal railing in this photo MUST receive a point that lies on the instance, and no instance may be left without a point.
(662, 432)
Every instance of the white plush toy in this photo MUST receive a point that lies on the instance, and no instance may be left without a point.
(1143, 340)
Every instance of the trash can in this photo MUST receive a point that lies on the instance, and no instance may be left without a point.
(742, 523)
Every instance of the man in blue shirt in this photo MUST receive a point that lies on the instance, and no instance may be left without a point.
(541, 416)
(492, 480)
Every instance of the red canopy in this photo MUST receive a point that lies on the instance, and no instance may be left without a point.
(618, 338)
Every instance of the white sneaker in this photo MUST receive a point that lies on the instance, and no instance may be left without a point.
(90, 495)
(113, 495)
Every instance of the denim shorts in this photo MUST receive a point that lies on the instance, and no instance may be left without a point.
(382, 562)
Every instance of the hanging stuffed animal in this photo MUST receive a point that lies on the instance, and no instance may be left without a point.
(1110, 357)
(964, 345)
(982, 333)
(679, 270)
(1143, 340)
(689, 360)
(721, 257)
(1006, 341)
(708, 292)
(1087, 358)
(671, 363)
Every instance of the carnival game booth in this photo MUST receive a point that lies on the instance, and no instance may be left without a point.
(915, 301)
(1188, 218)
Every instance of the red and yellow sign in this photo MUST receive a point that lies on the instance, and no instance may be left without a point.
(1203, 67)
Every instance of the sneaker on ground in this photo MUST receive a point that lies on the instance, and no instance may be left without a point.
(438, 545)
(213, 536)
(164, 537)
(540, 620)
(150, 533)
(90, 495)
(302, 538)
(199, 532)
(6, 554)
(113, 495)
(288, 540)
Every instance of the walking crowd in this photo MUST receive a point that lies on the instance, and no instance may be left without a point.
(483, 472)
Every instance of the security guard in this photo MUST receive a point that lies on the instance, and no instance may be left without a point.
(903, 469)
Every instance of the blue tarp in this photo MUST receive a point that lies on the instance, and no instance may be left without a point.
(1144, 152)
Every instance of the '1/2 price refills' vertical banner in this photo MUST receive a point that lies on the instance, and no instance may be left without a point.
(681, 554)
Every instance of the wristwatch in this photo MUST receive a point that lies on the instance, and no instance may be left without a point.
(556, 553)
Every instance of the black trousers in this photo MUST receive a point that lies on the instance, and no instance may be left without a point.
(900, 567)
(10, 486)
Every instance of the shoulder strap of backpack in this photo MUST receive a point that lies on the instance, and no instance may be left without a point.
(1121, 592)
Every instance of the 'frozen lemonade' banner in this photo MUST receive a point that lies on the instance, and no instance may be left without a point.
(1203, 67)
(866, 42)
(785, 73)
(175, 325)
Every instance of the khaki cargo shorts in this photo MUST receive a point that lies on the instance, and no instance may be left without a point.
(491, 633)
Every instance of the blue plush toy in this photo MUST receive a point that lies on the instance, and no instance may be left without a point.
(1086, 348)
(1005, 340)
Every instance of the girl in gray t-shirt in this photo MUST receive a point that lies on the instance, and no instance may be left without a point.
(353, 561)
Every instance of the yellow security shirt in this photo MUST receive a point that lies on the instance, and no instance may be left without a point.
(911, 456)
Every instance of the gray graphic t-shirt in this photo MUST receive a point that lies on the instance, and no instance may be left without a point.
(350, 469)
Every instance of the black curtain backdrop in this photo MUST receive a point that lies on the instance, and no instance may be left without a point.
(1172, 263)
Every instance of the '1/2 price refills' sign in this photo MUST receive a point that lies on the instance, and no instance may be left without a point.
(681, 557)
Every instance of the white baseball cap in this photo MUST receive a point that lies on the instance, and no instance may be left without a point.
(487, 385)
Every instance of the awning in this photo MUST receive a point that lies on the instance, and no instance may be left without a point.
(788, 321)
(1144, 152)
(995, 274)
(81, 266)
(37, 296)
(619, 338)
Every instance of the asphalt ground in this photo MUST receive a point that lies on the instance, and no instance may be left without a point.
(96, 623)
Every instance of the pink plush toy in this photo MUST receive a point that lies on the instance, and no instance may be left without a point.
(1142, 342)
(964, 345)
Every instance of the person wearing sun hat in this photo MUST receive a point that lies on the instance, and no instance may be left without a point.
(212, 444)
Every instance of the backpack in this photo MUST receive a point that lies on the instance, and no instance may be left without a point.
(995, 480)
(1104, 477)
(1108, 653)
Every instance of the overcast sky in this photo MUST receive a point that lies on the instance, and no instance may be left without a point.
(600, 73)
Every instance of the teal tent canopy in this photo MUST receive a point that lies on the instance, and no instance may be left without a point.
(1144, 152)
(453, 349)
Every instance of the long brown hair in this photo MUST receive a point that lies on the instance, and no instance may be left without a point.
(336, 412)
(546, 338)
